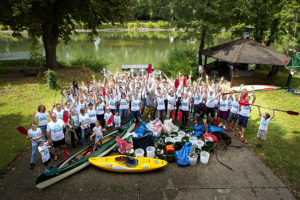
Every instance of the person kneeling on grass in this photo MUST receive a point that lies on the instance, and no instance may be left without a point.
(45, 154)
(97, 131)
(263, 127)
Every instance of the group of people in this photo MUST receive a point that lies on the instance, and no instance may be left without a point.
(104, 104)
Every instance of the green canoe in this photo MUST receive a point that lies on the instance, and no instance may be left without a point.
(78, 160)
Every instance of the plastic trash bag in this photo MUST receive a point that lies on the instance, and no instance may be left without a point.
(123, 146)
(182, 156)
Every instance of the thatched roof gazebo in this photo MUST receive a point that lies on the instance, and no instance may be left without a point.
(239, 53)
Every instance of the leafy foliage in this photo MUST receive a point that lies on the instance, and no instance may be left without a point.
(92, 63)
(180, 60)
(51, 79)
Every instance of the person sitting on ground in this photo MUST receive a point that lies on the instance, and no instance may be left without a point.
(263, 127)
(97, 131)
(44, 151)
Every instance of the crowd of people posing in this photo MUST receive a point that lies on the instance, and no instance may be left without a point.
(142, 98)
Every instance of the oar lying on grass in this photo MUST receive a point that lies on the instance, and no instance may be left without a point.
(246, 103)
(22, 130)
(266, 89)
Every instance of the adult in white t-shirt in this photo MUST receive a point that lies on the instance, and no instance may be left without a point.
(36, 136)
(84, 122)
(55, 134)
(42, 115)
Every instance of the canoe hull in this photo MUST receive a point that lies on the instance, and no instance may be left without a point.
(58, 174)
(144, 164)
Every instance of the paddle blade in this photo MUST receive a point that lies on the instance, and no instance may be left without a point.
(149, 68)
(110, 120)
(173, 114)
(292, 113)
(179, 116)
(176, 83)
(66, 116)
(89, 153)
(103, 91)
(65, 154)
(22, 130)
(245, 95)
(244, 103)
(184, 81)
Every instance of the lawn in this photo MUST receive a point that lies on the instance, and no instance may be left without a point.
(19, 98)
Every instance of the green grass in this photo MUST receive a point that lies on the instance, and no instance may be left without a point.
(281, 149)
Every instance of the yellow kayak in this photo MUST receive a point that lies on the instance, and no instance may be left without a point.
(122, 163)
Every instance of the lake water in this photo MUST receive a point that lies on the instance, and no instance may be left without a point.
(117, 48)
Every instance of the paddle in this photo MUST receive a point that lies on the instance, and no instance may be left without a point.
(87, 78)
(66, 116)
(246, 103)
(179, 116)
(22, 130)
(173, 114)
(103, 91)
(176, 84)
(184, 81)
(110, 120)
(149, 69)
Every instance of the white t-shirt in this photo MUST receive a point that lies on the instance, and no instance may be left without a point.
(112, 103)
(45, 154)
(160, 103)
(123, 104)
(197, 99)
(264, 123)
(209, 103)
(56, 130)
(234, 108)
(84, 119)
(245, 111)
(79, 106)
(106, 117)
(92, 116)
(185, 104)
(34, 134)
(98, 133)
(42, 118)
(117, 121)
(100, 109)
(173, 100)
(135, 105)
(223, 105)
(59, 115)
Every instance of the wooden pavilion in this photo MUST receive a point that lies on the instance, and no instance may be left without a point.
(233, 59)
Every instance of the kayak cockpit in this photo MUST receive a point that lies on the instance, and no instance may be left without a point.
(128, 161)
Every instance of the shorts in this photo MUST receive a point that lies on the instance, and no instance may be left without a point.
(262, 134)
(47, 162)
(56, 144)
(233, 117)
(211, 111)
(223, 114)
(243, 121)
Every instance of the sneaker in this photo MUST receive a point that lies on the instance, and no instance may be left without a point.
(238, 133)
(224, 127)
(31, 165)
(220, 125)
(242, 139)
(260, 146)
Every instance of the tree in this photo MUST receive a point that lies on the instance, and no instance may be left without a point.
(54, 19)
(201, 19)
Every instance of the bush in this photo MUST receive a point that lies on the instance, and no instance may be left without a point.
(162, 24)
(94, 64)
(150, 25)
(133, 25)
(180, 60)
(51, 79)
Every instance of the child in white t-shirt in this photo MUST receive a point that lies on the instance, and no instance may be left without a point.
(107, 116)
(117, 120)
(263, 127)
(97, 131)
(45, 154)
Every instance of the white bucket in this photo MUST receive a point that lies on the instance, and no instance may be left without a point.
(181, 134)
(177, 139)
(150, 151)
(169, 139)
(193, 160)
(208, 139)
(199, 144)
(204, 157)
(139, 153)
(193, 140)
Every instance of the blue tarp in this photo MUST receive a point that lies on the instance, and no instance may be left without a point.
(182, 156)
(200, 129)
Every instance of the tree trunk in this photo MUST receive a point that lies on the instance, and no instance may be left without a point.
(274, 71)
(201, 47)
(50, 40)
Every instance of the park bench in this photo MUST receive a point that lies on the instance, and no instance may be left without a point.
(32, 71)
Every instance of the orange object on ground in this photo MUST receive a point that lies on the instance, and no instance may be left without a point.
(170, 148)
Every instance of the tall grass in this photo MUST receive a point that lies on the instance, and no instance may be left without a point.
(95, 65)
